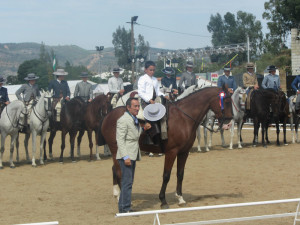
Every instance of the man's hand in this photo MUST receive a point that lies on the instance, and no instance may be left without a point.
(6, 103)
(127, 162)
(152, 102)
(175, 91)
(256, 87)
(67, 98)
(167, 97)
(121, 91)
(230, 90)
(90, 100)
(147, 126)
(298, 92)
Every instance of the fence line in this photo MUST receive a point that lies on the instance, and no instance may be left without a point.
(157, 212)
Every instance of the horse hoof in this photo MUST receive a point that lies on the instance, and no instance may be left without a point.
(74, 161)
(265, 146)
(1, 168)
(182, 204)
(164, 206)
(286, 144)
(33, 166)
(12, 167)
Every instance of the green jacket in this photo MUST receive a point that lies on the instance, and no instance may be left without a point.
(128, 135)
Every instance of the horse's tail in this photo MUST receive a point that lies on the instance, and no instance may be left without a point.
(100, 140)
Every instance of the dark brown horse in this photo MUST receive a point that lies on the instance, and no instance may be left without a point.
(185, 116)
(283, 117)
(261, 102)
(71, 121)
(95, 112)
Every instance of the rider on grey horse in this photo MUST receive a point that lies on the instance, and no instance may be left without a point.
(30, 93)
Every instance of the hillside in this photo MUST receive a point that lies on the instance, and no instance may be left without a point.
(13, 54)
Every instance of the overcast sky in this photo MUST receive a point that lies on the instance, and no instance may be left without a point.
(91, 22)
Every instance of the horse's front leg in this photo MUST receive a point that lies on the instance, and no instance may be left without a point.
(296, 128)
(26, 140)
(72, 144)
(222, 137)
(277, 132)
(284, 131)
(256, 127)
(97, 148)
(89, 132)
(12, 145)
(169, 161)
(42, 146)
(50, 143)
(231, 134)
(263, 131)
(181, 160)
(62, 146)
(207, 145)
(33, 147)
(239, 132)
(79, 138)
(17, 149)
(198, 133)
(292, 127)
(3, 136)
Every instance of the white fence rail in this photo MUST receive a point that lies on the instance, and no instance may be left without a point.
(157, 212)
(43, 223)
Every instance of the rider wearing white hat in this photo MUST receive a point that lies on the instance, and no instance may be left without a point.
(30, 90)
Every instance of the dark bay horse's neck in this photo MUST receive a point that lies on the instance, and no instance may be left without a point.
(197, 104)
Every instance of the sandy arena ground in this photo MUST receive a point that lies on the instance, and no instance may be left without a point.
(81, 193)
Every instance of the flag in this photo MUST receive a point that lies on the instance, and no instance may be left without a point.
(54, 63)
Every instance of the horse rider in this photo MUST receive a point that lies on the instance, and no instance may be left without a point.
(30, 93)
(296, 87)
(84, 89)
(271, 80)
(188, 77)
(249, 82)
(61, 91)
(115, 86)
(127, 136)
(148, 91)
(168, 80)
(4, 100)
(227, 79)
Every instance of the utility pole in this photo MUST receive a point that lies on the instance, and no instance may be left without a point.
(248, 48)
(99, 49)
(133, 21)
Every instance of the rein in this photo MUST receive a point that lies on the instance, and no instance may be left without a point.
(14, 126)
(211, 130)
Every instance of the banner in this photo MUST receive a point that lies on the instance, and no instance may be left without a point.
(214, 77)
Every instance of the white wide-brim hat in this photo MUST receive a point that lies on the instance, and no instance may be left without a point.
(60, 72)
(154, 112)
(31, 76)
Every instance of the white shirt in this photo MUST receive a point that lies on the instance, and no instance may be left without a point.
(146, 84)
(115, 84)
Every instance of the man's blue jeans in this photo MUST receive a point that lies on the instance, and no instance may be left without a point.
(126, 185)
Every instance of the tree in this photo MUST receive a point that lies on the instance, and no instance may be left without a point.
(122, 45)
(283, 15)
(234, 30)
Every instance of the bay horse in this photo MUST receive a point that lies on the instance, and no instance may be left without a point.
(261, 102)
(95, 112)
(185, 116)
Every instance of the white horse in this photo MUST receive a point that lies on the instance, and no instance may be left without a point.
(10, 125)
(238, 100)
(294, 124)
(39, 123)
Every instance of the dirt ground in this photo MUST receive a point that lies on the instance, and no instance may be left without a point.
(81, 193)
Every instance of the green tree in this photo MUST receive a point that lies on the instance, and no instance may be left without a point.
(234, 30)
(282, 16)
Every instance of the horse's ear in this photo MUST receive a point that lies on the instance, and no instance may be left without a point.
(42, 91)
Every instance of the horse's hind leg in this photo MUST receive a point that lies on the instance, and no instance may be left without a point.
(198, 134)
(33, 147)
(116, 180)
(89, 132)
(44, 147)
(181, 160)
(72, 144)
(169, 161)
(12, 145)
(17, 149)
(42, 144)
(79, 138)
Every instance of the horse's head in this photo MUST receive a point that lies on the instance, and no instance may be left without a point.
(48, 101)
(106, 106)
(239, 98)
(222, 107)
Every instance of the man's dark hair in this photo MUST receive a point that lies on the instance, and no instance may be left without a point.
(128, 102)
(149, 63)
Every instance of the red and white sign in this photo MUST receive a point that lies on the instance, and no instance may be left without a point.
(214, 77)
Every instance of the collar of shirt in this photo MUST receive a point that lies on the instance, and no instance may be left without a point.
(250, 73)
(189, 72)
(136, 122)
(59, 81)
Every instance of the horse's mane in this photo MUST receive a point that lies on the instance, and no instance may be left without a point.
(202, 89)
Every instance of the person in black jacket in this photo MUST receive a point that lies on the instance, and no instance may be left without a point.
(4, 100)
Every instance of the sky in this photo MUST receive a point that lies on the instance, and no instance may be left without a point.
(91, 23)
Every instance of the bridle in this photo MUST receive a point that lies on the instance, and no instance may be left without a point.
(223, 118)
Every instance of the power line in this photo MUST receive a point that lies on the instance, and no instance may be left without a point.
(177, 32)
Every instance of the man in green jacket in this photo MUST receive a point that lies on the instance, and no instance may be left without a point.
(128, 133)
